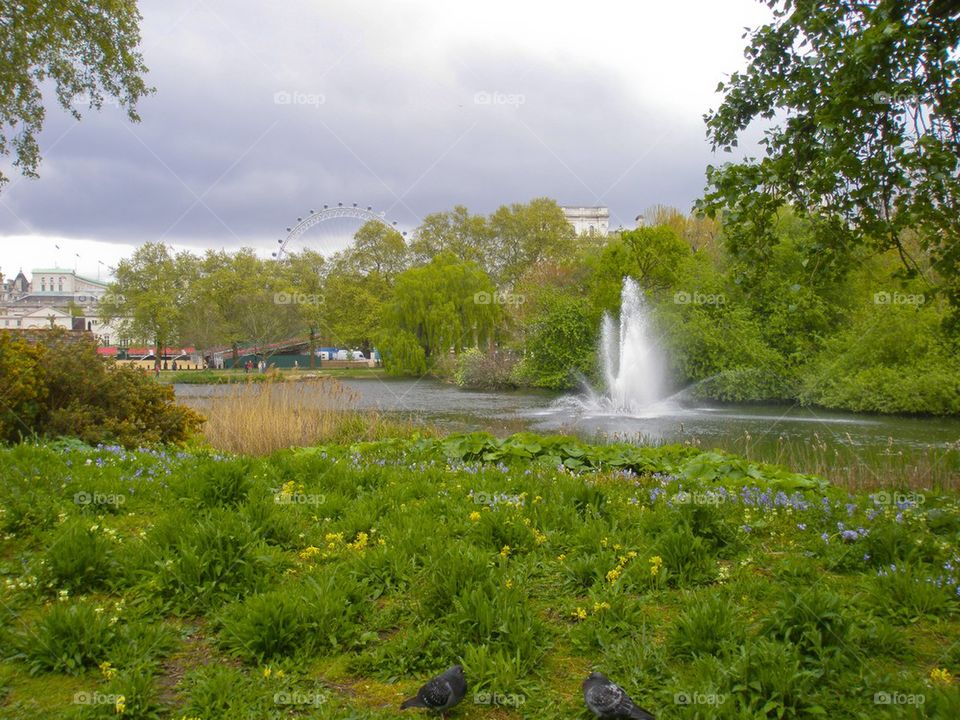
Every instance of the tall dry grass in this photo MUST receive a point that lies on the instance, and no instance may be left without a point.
(261, 418)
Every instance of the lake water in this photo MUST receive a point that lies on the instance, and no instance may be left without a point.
(711, 425)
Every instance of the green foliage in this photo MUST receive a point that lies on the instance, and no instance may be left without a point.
(527, 559)
(445, 305)
(79, 559)
(60, 387)
(68, 637)
(871, 156)
(891, 359)
(88, 49)
(487, 371)
(708, 625)
(560, 343)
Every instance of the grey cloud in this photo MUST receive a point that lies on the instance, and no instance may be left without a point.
(391, 134)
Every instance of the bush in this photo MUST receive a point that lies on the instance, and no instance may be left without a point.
(79, 558)
(68, 637)
(707, 626)
(60, 386)
(486, 371)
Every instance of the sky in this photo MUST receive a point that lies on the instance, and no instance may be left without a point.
(263, 111)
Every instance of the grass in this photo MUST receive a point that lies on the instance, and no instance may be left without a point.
(262, 418)
(225, 377)
(331, 581)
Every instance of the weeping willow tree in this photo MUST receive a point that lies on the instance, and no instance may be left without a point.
(444, 306)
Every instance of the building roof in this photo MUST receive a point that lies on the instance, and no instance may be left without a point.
(68, 271)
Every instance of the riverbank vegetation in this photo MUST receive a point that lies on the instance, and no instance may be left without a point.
(860, 337)
(331, 581)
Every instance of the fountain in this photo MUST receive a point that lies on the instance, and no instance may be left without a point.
(632, 367)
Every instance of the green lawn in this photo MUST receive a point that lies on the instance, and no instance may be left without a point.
(331, 582)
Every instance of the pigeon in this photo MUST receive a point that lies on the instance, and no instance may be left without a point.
(609, 701)
(441, 693)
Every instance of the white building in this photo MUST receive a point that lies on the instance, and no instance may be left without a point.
(55, 297)
(588, 220)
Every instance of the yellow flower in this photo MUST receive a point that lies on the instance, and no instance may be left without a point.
(120, 706)
(580, 614)
(561, 557)
(109, 672)
(539, 537)
(614, 574)
(537, 499)
(267, 672)
(509, 583)
(474, 516)
(309, 552)
(941, 675)
(505, 551)
(360, 543)
(656, 562)
(278, 674)
(598, 606)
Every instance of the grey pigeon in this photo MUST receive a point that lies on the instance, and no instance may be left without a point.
(609, 701)
(441, 693)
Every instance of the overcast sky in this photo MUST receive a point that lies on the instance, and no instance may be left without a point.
(266, 110)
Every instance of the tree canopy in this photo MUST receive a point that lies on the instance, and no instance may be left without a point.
(88, 48)
(864, 101)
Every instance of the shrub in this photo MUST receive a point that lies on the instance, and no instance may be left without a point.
(68, 637)
(685, 557)
(815, 621)
(79, 559)
(59, 386)
(265, 626)
(906, 593)
(707, 626)
(214, 559)
(487, 371)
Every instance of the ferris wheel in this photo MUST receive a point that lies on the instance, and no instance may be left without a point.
(335, 227)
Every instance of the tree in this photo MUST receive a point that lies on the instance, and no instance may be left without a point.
(654, 257)
(467, 236)
(87, 47)
(256, 298)
(868, 98)
(524, 235)
(446, 304)
(377, 248)
(352, 309)
(149, 294)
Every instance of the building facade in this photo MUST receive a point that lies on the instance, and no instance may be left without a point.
(55, 297)
(588, 220)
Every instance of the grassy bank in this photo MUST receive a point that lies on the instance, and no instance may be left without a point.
(329, 582)
(224, 377)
